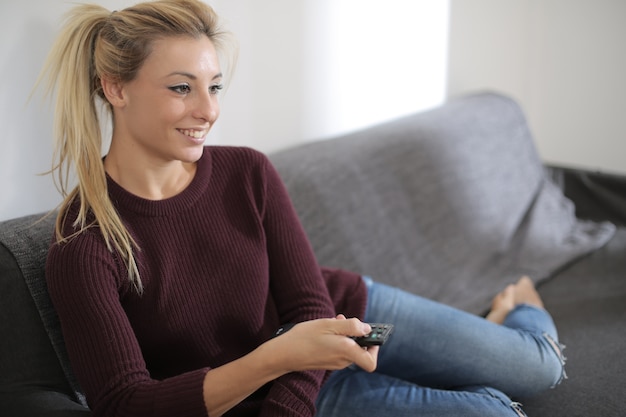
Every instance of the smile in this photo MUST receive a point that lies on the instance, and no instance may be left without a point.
(196, 134)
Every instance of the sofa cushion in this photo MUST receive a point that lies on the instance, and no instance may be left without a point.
(587, 302)
(35, 340)
(452, 203)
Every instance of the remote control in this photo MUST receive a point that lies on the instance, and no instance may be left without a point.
(379, 335)
(284, 329)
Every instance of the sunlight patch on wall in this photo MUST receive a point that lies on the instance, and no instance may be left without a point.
(379, 61)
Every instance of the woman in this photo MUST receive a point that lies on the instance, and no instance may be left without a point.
(174, 264)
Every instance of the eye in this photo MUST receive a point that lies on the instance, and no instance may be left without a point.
(181, 88)
(215, 89)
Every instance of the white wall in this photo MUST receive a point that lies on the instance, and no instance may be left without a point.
(563, 60)
(302, 75)
(308, 69)
(27, 28)
(313, 68)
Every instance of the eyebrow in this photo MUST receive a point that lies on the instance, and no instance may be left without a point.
(191, 76)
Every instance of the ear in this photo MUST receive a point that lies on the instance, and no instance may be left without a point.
(113, 91)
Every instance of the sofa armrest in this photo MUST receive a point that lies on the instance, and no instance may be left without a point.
(40, 402)
(33, 381)
(597, 195)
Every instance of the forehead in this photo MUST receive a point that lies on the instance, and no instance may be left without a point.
(194, 55)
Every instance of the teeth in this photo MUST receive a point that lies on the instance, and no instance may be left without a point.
(196, 134)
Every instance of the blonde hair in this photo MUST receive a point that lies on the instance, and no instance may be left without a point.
(94, 43)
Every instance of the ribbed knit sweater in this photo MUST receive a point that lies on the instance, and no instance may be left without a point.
(223, 264)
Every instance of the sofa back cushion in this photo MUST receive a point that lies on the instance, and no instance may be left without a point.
(452, 203)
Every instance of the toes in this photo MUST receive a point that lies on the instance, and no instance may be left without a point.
(526, 281)
(526, 292)
(506, 296)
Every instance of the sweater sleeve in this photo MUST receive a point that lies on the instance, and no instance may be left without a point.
(347, 290)
(299, 292)
(84, 281)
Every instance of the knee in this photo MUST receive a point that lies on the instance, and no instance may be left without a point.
(545, 373)
(556, 366)
(552, 370)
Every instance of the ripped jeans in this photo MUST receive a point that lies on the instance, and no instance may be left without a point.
(441, 361)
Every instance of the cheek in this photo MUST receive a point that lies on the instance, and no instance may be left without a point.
(173, 110)
(150, 113)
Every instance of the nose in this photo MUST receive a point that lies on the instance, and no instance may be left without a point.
(207, 107)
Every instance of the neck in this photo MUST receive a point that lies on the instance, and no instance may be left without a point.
(152, 181)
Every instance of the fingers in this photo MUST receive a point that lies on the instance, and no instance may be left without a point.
(368, 358)
(324, 344)
(364, 358)
(350, 327)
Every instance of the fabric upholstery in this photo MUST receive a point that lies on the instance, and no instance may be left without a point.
(28, 239)
(598, 195)
(32, 361)
(451, 204)
(588, 302)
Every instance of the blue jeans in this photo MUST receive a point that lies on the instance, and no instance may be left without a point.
(442, 361)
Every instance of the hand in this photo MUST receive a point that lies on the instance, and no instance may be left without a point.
(323, 344)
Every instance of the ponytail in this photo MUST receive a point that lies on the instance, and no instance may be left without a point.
(71, 74)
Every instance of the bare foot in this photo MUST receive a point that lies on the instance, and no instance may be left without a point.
(522, 292)
(502, 304)
(525, 293)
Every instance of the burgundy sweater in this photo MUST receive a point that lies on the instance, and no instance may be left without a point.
(223, 264)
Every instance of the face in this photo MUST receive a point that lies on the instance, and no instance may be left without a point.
(165, 113)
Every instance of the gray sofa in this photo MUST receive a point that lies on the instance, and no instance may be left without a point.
(452, 203)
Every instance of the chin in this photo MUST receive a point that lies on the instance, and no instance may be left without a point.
(192, 154)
